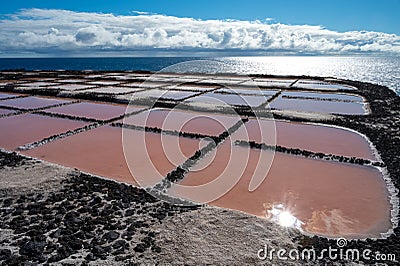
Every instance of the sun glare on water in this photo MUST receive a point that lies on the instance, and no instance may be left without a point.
(286, 219)
(280, 215)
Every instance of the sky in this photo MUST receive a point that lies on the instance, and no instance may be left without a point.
(259, 27)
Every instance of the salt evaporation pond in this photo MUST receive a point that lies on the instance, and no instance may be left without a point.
(184, 121)
(311, 137)
(32, 102)
(326, 198)
(92, 110)
(23, 129)
(100, 151)
(317, 106)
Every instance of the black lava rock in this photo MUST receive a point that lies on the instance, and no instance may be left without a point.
(5, 254)
(32, 248)
(111, 236)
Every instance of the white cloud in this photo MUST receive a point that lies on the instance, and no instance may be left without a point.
(52, 31)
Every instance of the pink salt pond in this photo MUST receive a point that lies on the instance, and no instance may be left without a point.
(317, 106)
(163, 94)
(196, 88)
(184, 121)
(261, 82)
(321, 85)
(6, 112)
(323, 96)
(71, 87)
(326, 198)
(93, 110)
(230, 99)
(4, 96)
(144, 85)
(23, 129)
(104, 83)
(32, 102)
(39, 84)
(253, 91)
(72, 81)
(101, 152)
(223, 81)
(311, 137)
(113, 90)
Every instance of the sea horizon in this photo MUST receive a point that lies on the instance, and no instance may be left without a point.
(382, 70)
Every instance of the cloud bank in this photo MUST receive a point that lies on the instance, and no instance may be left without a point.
(62, 32)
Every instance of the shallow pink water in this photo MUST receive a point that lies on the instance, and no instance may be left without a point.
(40, 84)
(331, 199)
(164, 94)
(26, 128)
(316, 138)
(104, 82)
(316, 106)
(242, 91)
(8, 95)
(93, 110)
(71, 87)
(191, 87)
(5, 111)
(113, 90)
(266, 82)
(185, 121)
(320, 85)
(32, 102)
(326, 96)
(232, 99)
(100, 151)
(145, 84)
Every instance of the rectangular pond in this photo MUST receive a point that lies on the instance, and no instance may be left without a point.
(196, 88)
(145, 84)
(323, 96)
(321, 85)
(32, 102)
(37, 84)
(104, 83)
(93, 110)
(4, 96)
(265, 82)
(184, 121)
(113, 90)
(219, 99)
(241, 91)
(311, 137)
(100, 151)
(23, 129)
(317, 106)
(71, 87)
(325, 198)
(6, 112)
(163, 94)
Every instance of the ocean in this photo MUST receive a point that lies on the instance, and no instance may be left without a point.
(380, 70)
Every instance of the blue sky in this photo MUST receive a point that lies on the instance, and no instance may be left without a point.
(339, 15)
(178, 27)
